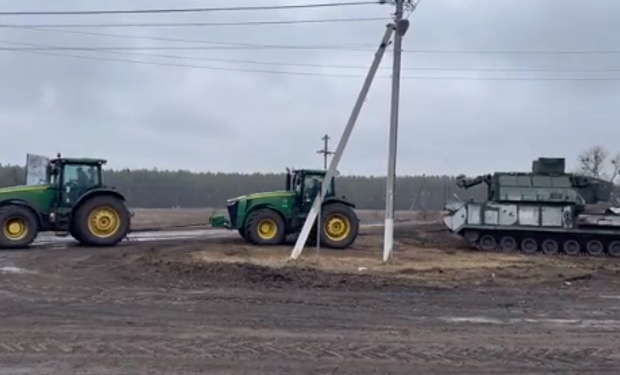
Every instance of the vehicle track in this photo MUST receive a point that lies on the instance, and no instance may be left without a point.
(101, 313)
(286, 350)
(550, 243)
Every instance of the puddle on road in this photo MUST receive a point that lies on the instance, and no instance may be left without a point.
(16, 370)
(12, 269)
(580, 323)
(610, 297)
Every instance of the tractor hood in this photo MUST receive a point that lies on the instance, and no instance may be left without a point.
(270, 194)
(22, 192)
(23, 189)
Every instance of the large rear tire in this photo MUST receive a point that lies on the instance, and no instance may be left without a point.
(242, 233)
(101, 221)
(339, 226)
(265, 227)
(74, 232)
(19, 227)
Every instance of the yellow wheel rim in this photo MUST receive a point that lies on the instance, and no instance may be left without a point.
(104, 222)
(267, 229)
(337, 227)
(15, 229)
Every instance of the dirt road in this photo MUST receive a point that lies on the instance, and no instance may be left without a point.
(132, 311)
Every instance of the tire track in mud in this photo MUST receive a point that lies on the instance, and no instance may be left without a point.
(251, 349)
(58, 300)
(139, 295)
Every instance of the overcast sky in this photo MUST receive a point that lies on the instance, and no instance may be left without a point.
(138, 115)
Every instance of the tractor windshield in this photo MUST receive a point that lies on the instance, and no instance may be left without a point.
(313, 183)
(84, 176)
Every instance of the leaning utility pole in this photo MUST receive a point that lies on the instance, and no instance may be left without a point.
(325, 150)
(402, 25)
(346, 134)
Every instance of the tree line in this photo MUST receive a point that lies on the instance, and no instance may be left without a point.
(184, 189)
(152, 188)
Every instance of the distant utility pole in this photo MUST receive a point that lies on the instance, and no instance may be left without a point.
(325, 150)
(401, 25)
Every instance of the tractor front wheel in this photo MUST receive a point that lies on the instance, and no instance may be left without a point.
(340, 226)
(101, 221)
(19, 227)
(265, 227)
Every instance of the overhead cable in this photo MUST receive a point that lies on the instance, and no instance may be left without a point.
(317, 74)
(200, 24)
(240, 46)
(193, 41)
(187, 10)
(352, 47)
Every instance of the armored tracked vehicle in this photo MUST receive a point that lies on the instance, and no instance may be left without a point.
(545, 211)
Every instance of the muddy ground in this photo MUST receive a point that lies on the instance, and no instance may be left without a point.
(227, 308)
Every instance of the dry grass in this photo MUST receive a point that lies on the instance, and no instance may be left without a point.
(429, 265)
(422, 252)
(434, 265)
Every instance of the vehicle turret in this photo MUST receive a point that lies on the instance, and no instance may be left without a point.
(467, 182)
(547, 182)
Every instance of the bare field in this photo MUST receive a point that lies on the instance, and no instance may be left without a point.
(164, 218)
(423, 252)
(424, 255)
(221, 307)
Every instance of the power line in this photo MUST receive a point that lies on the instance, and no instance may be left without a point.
(38, 47)
(305, 65)
(273, 46)
(417, 68)
(317, 74)
(164, 39)
(517, 52)
(458, 78)
(349, 47)
(237, 46)
(175, 48)
(187, 10)
(142, 62)
(199, 24)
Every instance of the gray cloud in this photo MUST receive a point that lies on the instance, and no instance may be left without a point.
(140, 115)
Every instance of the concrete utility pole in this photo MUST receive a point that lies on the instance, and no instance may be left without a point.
(325, 150)
(346, 134)
(401, 28)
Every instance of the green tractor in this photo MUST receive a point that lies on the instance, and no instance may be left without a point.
(267, 218)
(73, 200)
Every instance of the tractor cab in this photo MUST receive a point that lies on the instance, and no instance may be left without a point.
(73, 177)
(306, 183)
